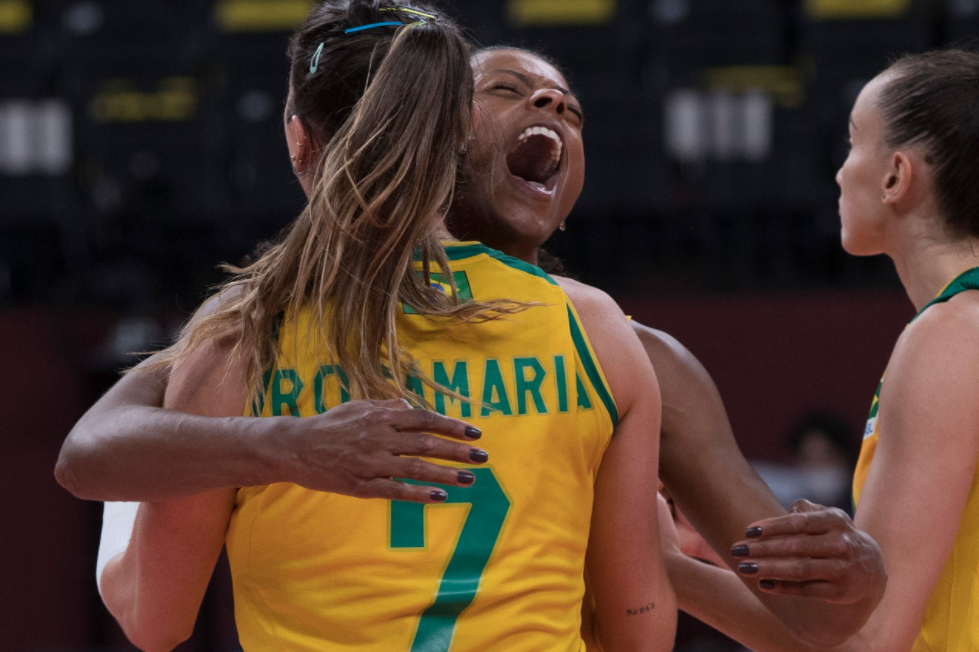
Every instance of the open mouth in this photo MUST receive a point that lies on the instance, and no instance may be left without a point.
(537, 157)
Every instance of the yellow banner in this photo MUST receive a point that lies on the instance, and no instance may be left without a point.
(854, 9)
(524, 13)
(261, 15)
(176, 99)
(16, 16)
(784, 83)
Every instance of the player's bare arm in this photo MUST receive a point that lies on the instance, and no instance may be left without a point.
(712, 483)
(636, 608)
(127, 448)
(925, 464)
(155, 588)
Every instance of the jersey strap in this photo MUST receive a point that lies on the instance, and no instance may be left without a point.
(967, 280)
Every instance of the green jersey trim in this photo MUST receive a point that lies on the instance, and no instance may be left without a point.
(456, 252)
(591, 368)
(464, 250)
(967, 280)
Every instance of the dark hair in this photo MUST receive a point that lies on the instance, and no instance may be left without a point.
(390, 110)
(349, 62)
(526, 50)
(553, 264)
(932, 100)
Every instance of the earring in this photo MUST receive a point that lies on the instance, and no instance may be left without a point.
(563, 227)
(293, 158)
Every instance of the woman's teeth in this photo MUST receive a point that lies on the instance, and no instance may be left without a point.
(547, 133)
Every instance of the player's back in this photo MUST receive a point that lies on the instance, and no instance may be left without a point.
(499, 565)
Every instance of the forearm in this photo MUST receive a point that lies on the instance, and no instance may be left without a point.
(820, 623)
(145, 617)
(636, 605)
(139, 453)
(712, 483)
(155, 588)
(731, 496)
(645, 622)
(718, 597)
(747, 499)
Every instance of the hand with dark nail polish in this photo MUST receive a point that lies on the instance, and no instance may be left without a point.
(748, 568)
(466, 477)
(478, 455)
(813, 552)
(359, 447)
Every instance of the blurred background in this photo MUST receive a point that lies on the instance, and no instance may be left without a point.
(141, 145)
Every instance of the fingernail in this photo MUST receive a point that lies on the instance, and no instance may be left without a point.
(439, 496)
(478, 455)
(473, 433)
(753, 532)
(739, 551)
(748, 568)
(466, 477)
(766, 584)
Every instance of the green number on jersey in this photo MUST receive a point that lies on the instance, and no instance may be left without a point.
(458, 586)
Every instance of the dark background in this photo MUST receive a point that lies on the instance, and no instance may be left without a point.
(140, 145)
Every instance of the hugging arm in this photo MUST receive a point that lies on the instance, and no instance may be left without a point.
(712, 483)
(128, 448)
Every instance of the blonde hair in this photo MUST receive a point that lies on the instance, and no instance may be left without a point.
(382, 189)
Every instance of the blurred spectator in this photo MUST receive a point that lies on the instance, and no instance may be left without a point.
(823, 452)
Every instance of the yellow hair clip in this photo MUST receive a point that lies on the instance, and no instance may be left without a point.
(410, 11)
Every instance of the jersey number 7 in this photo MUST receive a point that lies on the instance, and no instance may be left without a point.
(480, 532)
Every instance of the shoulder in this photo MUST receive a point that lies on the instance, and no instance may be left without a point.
(932, 380)
(946, 333)
(591, 303)
(602, 318)
(675, 365)
(619, 351)
(664, 349)
(217, 300)
(211, 379)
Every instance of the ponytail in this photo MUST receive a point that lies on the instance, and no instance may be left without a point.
(382, 189)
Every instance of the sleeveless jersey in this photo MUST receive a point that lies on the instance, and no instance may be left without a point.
(951, 620)
(499, 565)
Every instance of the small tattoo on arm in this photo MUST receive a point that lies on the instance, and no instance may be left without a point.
(641, 610)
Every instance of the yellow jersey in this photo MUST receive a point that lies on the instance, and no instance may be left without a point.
(499, 565)
(951, 620)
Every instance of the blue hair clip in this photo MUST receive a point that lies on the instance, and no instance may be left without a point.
(314, 65)
(373, 25)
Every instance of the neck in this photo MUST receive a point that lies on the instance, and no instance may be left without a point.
(469, 227)
(925, 265)
(526, 254)
(442, 232)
